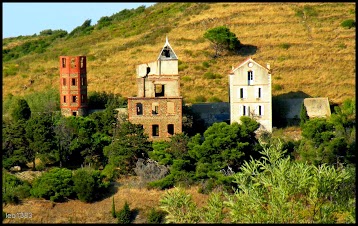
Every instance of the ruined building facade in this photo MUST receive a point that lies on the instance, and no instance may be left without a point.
(158, 104)
(73, 85)
(250, 93)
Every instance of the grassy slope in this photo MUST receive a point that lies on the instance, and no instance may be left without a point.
(320, 59)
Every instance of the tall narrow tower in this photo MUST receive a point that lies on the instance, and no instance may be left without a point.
(73, 85)
(158, 104)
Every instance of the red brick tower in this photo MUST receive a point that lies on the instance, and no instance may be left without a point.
(73, 85)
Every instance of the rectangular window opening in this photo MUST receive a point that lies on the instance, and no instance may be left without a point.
(64, 82)
(63, 62)
(74, 99)
(82, 81)
(159, 90)
(155, 108)
(74, 113)
(73, 81)
(73, 62)
(171, 129)
(241, 92)
(155, 130)
(139, 108)
(259, 93)
(82, 62)
(64, 99)
(250, 77)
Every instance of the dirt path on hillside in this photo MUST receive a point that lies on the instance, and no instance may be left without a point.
(75, 211)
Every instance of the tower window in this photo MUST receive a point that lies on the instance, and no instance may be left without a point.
(159, 90)
(73, 62)
(64, 82)
(250, 77)
(82, 62)
(155, 130)
(63, 62)
(64, 99)
(139, 109)
(259, 92)
(166, 52)
(171, 129)
(74, 99)
(242, 93)
(73, 81)
(155, 108)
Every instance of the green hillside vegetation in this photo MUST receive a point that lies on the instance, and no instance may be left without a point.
(310, 47)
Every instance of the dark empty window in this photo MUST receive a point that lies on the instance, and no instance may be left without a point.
(241, 92)
(159, 90)
(171, 129)
(64, 99)
(73, 81)
(155, 130)
(259, 93)
(139, 109)
(155, 108)
(63, 62)
(64, 81)
(166, 52)
(74, 99)
(74, 113)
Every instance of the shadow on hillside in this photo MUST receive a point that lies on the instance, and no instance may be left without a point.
(247, 50)
(287, 104)
(112, 190)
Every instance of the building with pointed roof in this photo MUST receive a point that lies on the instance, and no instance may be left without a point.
(158, 104)
(250, 93)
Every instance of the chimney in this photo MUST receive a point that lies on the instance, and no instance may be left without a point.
(268, 66)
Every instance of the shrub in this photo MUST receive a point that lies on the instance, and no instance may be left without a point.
(285, 46)
(124, 215)
(88, 184)
(277, 87)
(200, 99)
(211, 75)
(54, 185)
(156, 216)
(186, 79)
(164, 183)
(206, 64)
(214, 99)
(348, 23)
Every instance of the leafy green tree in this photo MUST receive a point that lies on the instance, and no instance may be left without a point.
(223, 146)
(55, 185)
(89, 184)
(14, 189)
(129, 143)
(21, 110)
(41, 135)
(221, 39)
(280, 190)
(124, 215)
(15, 145)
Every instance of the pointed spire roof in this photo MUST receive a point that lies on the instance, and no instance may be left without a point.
(167, 52)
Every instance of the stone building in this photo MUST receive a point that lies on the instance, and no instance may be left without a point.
(158, 104)
(250, 93)
(73, 85)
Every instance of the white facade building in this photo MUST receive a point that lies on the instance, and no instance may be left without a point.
(250, 93)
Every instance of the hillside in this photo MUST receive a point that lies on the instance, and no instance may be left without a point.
(308, 49)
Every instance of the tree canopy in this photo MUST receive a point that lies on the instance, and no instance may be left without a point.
(222, 39)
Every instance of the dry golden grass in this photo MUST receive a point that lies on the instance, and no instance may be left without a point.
(320, 60)
(75, 211)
